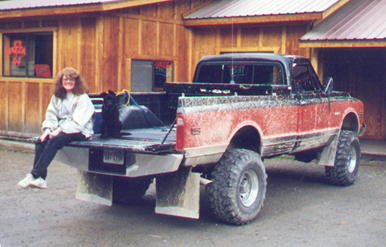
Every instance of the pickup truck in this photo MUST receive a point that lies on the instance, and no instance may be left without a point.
(216, 131)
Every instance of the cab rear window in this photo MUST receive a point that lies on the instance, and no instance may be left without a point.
(237, 73)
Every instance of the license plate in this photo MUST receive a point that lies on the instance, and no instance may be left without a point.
(113, 157)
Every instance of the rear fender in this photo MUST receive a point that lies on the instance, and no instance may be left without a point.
(247, 137)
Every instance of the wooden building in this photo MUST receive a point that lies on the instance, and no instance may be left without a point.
(101, 40)
(136, 44)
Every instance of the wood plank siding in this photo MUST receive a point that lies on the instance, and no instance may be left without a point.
(102, 46)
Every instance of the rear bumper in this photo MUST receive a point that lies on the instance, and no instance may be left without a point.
(135, 164)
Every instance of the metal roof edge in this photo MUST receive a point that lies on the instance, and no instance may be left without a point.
(254, 19)
(359, 23)
(329, 11)
(343, 43)
(74, 8)
(128, 4)
(202, 12)
(50, 11)
(15, 5)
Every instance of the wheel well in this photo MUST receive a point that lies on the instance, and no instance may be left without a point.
(350, 122)
(247, 138)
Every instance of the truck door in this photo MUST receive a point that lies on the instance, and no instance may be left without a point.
(312, 107)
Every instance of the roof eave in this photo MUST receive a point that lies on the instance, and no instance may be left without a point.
(253, 19)
(132, 3)
(51, 11)
(273, 18)
(357, 43)
(74, 9)
(334, 8)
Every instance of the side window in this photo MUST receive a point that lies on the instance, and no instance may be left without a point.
(28, 54)
(302, 77)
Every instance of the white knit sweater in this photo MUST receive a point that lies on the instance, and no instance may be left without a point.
(80, 117)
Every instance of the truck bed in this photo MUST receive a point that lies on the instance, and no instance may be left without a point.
(149, 140)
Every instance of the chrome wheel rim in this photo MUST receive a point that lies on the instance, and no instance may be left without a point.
(351, 159)
(248, 188)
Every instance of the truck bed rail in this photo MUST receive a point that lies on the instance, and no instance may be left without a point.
(139, 140)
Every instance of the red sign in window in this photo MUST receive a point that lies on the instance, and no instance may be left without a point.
(42, 70)
(163, 64)
(18, 51)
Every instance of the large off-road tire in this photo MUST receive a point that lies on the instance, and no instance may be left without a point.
(130, 190)
(347, 160)
(238, 187)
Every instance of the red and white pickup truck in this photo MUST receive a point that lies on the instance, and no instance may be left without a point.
(216, 131)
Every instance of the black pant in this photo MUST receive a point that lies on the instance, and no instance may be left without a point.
(45, 151)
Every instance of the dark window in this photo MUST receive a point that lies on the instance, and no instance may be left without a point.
(236, 73)
(148, 76)
(210, 73)
(303, 77)
(28, 54)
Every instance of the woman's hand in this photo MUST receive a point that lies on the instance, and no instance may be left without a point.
(48, 133)
(44, 135)
(54, 133)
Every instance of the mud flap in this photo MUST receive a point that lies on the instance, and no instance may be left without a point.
(178, 193)
(95, 188)
(327, 156)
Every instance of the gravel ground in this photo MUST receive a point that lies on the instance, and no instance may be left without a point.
(301, 209)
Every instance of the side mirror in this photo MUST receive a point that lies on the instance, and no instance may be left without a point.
(328, 85)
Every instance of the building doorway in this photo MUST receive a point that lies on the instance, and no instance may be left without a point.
(362, 73)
